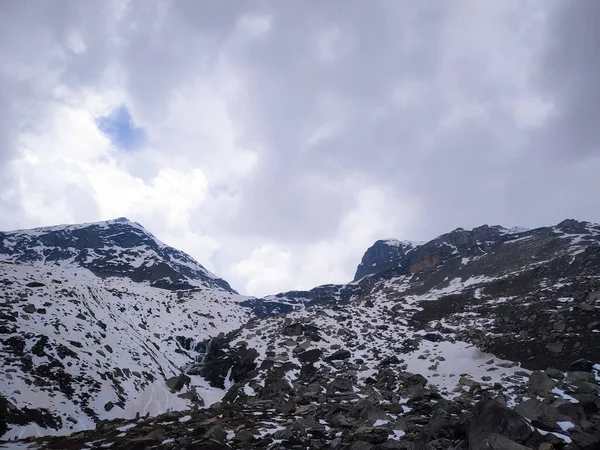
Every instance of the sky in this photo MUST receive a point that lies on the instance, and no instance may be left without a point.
(276, 141)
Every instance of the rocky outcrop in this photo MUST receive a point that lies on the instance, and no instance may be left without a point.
(383, 255)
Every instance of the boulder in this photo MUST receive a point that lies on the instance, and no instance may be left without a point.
(493, 441)
(555, 373)
(575, 412)
(29, 308)
(555, 347)
(586, 307)
(294, 329)
(574, 377)
(310, 356)
(155, 436)
(339, 385)
(340, 355)
(541, 385)
(581, 365)
(244, 435)
(586, 441)
(489, 416)
(433, 337)
(274, 388)
(217, 433)
(177, 382)
(192, 396)
(542, 415)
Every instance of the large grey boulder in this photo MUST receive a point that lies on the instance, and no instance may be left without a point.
(339, 385)
(177, 382)
(582, 365)
(494, 441)
(489, 416)
(542, 415)
(541, 385)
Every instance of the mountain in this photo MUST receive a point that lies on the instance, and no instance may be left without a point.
(114, 248)
(483, 338)
(94, 318)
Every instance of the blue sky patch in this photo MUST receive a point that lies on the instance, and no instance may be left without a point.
(121, 130)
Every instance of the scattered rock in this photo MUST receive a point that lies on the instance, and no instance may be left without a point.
(29, 309)
(340, 355)
(555, 347)
(177, 382)
(339, 384)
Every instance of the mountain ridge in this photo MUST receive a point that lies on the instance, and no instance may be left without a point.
(446, 325)
(94, 246)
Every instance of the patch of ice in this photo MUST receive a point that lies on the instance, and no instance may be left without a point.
(562, 394)
(566, 439)
(397, 434)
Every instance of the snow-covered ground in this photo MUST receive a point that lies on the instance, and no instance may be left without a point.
(373, 333)
(89, 342)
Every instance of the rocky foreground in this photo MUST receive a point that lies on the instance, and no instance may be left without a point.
(393, 410)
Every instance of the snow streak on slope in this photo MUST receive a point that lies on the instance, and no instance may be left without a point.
(87, 348)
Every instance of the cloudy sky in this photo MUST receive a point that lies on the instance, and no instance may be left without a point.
(275, 141)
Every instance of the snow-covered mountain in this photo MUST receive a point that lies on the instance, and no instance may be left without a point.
(94, 318)
(118, 248)
(484, 338)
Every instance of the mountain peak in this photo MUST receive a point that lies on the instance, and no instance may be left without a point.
(406, 256)
(382, 255)
(116, 247)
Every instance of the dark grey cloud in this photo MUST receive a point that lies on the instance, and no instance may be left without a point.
(383, 53)
(569, 74)
(293, 90)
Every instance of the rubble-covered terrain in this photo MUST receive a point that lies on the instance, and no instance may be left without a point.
(480, 339)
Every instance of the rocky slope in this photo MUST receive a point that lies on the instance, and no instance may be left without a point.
(483, 338)
(94, 318)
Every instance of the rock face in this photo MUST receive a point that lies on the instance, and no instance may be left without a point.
(383, 255)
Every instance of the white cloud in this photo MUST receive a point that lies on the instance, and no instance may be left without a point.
(69, 171)
(273, 268)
